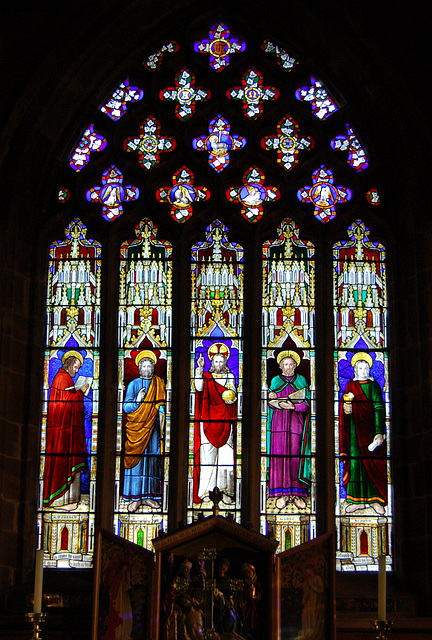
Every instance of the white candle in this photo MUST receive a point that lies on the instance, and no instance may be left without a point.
(37, 601)
(382, 595)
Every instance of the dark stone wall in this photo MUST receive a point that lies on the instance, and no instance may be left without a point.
(57, 60)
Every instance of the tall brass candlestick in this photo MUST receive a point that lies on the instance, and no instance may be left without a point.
(38, 582)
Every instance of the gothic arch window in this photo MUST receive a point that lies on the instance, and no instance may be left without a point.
(224, 180)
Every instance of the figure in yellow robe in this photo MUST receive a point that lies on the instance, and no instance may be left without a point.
(144, 406)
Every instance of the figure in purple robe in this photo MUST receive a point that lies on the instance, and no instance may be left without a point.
(288, 434)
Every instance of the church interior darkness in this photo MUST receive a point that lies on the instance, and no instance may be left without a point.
(59, 63)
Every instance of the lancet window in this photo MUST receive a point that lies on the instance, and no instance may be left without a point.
(221, 215)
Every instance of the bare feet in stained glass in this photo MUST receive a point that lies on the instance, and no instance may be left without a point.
(380, 510)
(282, 502)
(354, 507)
(147, 502)
(300, 503)
(69, 507)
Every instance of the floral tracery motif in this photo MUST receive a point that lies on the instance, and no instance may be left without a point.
(317, 95)
(112, 193)
(357, 158)
(252, 194)
(287, 142)
(90, 142)
(323, 194)
(182, 194)
(373, 197)
(219, 143)
(63, 194)
(220, 46)
(155, 59)
(117, 105)
(252, 93)
(284, 59)
(185, 94)
(150, 144)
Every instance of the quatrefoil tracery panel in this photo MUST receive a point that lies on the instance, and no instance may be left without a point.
(225, 143)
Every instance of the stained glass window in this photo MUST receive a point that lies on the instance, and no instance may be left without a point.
(288, 440)
(144, 391)
(287, 143)
(70, 401)
(215, 458)
(253, 194)
(150, 144)
(286, 61)
(154, 60)
(219, 226)
(362, 401)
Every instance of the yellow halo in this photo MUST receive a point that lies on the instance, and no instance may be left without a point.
(145, 354)
(72, 354)
(289, 354)
(361, 355)
(218, 348)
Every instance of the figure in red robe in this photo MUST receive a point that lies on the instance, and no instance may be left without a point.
(66, 453)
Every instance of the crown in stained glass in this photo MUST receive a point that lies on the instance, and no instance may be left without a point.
(219, 143)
